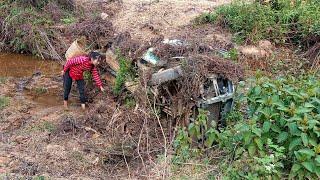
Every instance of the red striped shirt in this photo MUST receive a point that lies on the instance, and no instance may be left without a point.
(80, 64)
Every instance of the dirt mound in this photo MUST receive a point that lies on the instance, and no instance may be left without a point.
(119, 123)
(146, 19)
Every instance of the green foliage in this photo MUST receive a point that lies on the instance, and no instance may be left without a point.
(4, 101)
(39, 178)
(198, 131)
(284, 119)
(281, 21)
(234, 117)
(129, 102)
(45, 126)
(3, 80)
(233, 53)
(280, 138)
(68, 20)
(264, 166)
(125, 73)
(181, 145)
(24, 28)
(287, 111)
(87, 76)
(40, 90)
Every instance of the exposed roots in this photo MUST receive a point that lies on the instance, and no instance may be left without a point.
(314, 54)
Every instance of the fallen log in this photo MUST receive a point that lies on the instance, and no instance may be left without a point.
(166, 75)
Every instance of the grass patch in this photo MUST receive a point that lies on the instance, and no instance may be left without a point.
(70, 19)
(78, 156)
(3, 80)
(4, 101)
(45, 126)
(39, 178)
(129, 102)
(282, 21)
(40, 90)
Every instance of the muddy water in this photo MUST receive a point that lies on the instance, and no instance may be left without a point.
(17, 65)
(48, 99)
(22, 67)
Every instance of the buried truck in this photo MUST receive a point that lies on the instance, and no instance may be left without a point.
(179, 91)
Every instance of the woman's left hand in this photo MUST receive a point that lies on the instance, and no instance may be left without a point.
(102, 89)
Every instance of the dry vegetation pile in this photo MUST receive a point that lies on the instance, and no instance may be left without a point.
(47, 28)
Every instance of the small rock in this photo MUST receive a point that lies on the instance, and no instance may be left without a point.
(265, 44)
(96, 161)
(20, 139)
(254, 52)
(3, 170)
(56, 151)
(104, 16)
(4, 160)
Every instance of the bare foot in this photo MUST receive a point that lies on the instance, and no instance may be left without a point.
(83, 106)
(65, 104)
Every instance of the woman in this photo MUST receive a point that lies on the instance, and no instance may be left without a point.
(73, 70)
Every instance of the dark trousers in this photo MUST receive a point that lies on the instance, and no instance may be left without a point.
(67, 87)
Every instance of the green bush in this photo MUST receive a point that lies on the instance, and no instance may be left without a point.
(281, 21)
(125, 73)
(279, 139)
(285, 113)
(288, 112)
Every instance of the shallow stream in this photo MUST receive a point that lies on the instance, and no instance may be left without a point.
(21, 68)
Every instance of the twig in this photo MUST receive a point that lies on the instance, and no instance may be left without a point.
(194, 164)
(125, 159)
(144, 122)
(164, 138)
(206, 172)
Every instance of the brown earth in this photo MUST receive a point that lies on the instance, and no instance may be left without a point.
(39, 138)
(109, 140)
(146, 19)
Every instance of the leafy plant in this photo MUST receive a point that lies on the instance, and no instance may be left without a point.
(198, 132)
(181, 145)
(287, 111)
(280, 136)
(125, 73)
(87, 76)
